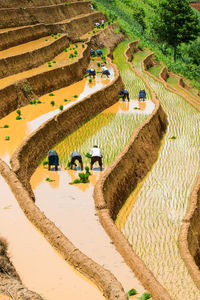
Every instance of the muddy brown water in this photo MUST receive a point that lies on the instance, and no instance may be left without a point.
(71, 208)
(36, 276)
(29, 46)
(61, 60)
(35, 115)
(39, 266)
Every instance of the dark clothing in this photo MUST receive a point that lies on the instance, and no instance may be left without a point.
(53, 158)
(76, 156)
(91, 72)
(92, 52)
(96, 158)
(142, 94)
(99, 52)
(125, 95)
(106, 72)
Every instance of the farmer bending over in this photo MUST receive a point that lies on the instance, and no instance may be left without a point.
(53, 159)
(92, 72)
(76, 156)
(99, 52)
(96, 156)
(92, 52)
(125, 95)
(97, 25)
(142, 95)
(105, 71)
(102, 23)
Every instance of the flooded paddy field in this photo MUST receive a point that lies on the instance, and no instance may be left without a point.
(71, 207)
(160, 202)
(39, 267)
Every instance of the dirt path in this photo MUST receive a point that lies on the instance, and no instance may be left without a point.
(160, 202)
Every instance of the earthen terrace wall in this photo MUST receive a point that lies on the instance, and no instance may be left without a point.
(24, 162)
(118, 180)
(30, 3)
(12, 17)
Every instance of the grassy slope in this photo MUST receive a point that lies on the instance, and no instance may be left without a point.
(123, 12)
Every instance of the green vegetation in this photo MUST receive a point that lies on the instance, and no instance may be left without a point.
(51, 94)
(18, 117)
(175, 23)
(6, 126)
(48, 179)
(75, 96)
(83, 177)
(66, 100)
(52, 103)
(131, 292)
(7, 137)
(61, 107)
(145, 296)
(44, 163)
(136, 18)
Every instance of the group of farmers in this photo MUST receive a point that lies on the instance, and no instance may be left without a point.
(95, 156)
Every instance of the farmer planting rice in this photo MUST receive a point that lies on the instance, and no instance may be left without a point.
(102, 23)
(92, 72)
(97, 25)
(99, 52)
(96, 155)
(76, 156)
(92, 52)
(105, 71)
(53, 159)
(125, 95)
(142, 95)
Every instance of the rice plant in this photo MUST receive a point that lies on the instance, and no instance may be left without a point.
(160, 202)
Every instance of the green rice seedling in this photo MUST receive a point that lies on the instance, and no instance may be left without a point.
(21, 7)
(58, 34)
(71, 55)
(61, 107)
(76, 181)
(54, 62)
(87, 170)
(18, 117)
(49, 65)
(90, 80)
(98, 64)
(66, 100)
(65, 49)
(18, 111)
(131, 292)
(38, 102)
(76, 45)
(7, 137)
(48, 179)
(66, 3)
(145, 296)
(52, 103)
(70, 2)
(93, 59)
(52, 35)
(75, 52)
(6, 126)
(83, 46)
(94, 31)
(46, 40)
(32, 102)
(55, 37)
(45, 163)
(88, 155)
(70, 48)
(51, 94)
(75, 96)
(173, 138)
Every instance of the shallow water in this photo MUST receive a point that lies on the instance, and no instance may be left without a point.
(35, 115)
(27, 47)
(39, 266)
(160, 202)
(71, 207)
(61, 60)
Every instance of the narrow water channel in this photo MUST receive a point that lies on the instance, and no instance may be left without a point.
(71, 207)
(160, 202)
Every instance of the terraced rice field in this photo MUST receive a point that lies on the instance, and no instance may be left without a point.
(160, 202)
(73, 211)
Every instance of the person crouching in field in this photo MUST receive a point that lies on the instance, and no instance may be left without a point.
(76, 156)
(125, 95)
